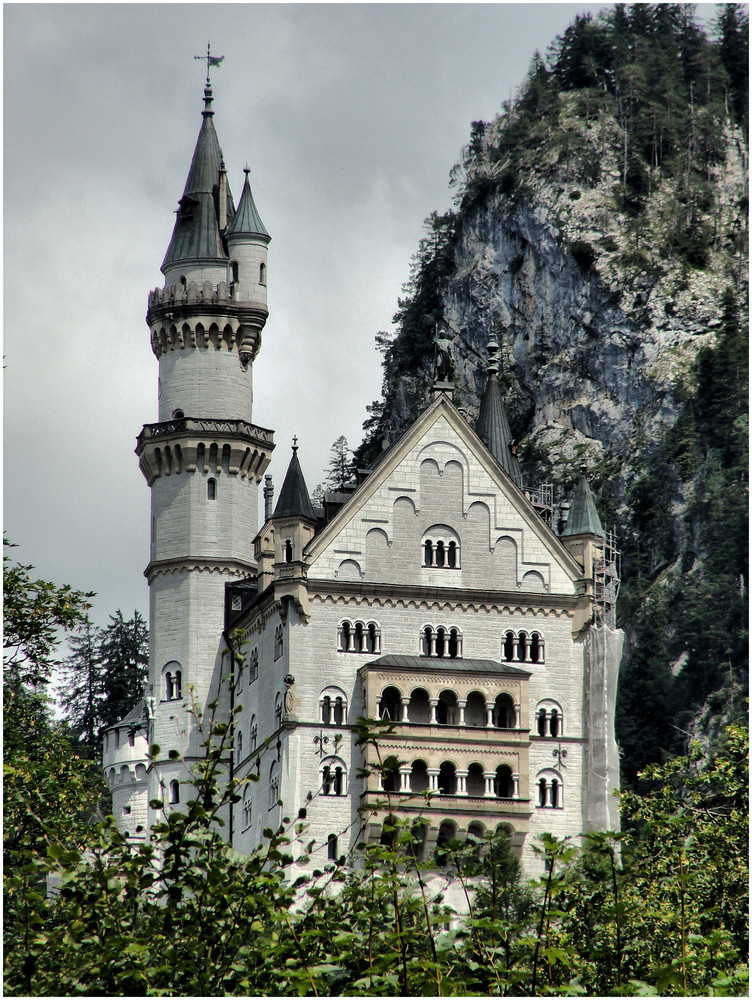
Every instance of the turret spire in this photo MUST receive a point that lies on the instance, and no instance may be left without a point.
(294, 500)
(583, 515)
(492, 424)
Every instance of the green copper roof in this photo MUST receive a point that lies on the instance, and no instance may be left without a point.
(583, 517)
(492, 425)
(247, 221)
(293, 497)
(197, 233)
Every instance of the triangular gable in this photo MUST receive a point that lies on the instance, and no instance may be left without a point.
(441, 475)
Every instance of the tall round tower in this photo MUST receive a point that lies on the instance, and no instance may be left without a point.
(204, 457)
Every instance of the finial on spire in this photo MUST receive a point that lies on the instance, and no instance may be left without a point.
(493, 361)
(246, 170)
(295, 442)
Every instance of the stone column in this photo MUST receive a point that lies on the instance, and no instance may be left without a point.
(404, 773)
(434, 703)
(405, 703)
(515, 785)
(516, 720)
(351, 640)
(489, 715)
(461, 706)
(433, 779)
(489, 784)
(461, 782)
(459, 647)
(433, 643)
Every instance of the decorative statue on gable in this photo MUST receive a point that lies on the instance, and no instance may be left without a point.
(444, 359)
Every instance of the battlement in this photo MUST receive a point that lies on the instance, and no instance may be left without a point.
(234, 447)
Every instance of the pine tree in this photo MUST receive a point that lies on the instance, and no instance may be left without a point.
(82, 693)
(340, 472)
(124, 653)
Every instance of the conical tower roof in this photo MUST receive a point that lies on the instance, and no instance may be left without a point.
(247, 221)
(492, 425)
(197, 231)
(294, 500)
(583, 517)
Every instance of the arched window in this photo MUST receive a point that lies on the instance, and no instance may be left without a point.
(288, 551)
(278, 709)
(550, 790)
(476, 714)
(247, 808)
(278, 642)
(390, 779)
(331, 847)
(333, 706)
(390, 704)
(273, 785)
(235, 270)
(262, 274)
(254, 733)
(239, 681)
(522, 647)
(447, 833)
(359, 637)
(503, 782)
(172, 679)
(441, 641)
(505, 715)
(345, 633)
(549, 718)
(211, 489)
(419, 708)
(254, 665)
(333, 777)
(174, 792)
(447, 779)
(419, 777)
(447, 713)
(239, 744)
(441, 548)
(476, 781)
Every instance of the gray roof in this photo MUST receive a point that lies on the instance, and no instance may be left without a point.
(247, 221)
(493, 428)
(196, 233)
(294, 500)
(136, 714)
(446, 665)
(583, 517)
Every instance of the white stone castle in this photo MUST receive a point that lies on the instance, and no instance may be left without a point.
(440, 593)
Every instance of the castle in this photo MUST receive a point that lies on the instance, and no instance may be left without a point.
(440, 592)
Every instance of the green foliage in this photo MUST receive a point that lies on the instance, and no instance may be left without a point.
(35, 614)
(661, 910)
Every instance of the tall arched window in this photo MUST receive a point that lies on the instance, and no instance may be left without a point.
(211, 489)
(247, 808)
(235, 270)
(173, 681)
(262, 274)
(288, 551)
(273, 785)
(332, 706)
(174, 792)
(331, 847)
(239, 744)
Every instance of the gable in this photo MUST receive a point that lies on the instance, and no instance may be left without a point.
(440, 512)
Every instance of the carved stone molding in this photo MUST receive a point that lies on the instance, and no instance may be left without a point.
(223, 567)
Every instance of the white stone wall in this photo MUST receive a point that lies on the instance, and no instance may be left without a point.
(125, 771)
(441, 483)
(186, 524)
(198, 271)
(249, 257)
(205, 382)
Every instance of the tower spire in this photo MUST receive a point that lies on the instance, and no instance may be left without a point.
(492, 424)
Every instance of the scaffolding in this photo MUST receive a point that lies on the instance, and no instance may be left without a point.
(607, 576)
(542, 499)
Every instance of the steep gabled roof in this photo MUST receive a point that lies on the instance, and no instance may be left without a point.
(583, 516)
(294, 500)
(247, 221)
(197, 232)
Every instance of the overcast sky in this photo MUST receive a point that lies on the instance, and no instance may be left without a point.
(350, 117)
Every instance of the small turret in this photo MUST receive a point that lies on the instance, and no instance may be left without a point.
(279, 546)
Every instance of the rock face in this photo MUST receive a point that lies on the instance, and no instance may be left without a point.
(598, 324)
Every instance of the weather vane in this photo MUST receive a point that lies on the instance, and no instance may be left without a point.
(210, 60)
